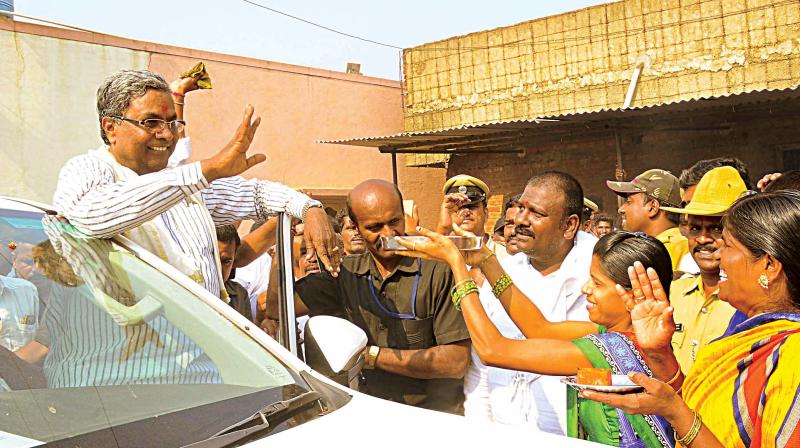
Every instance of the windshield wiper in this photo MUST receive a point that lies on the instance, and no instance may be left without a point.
(269, 415)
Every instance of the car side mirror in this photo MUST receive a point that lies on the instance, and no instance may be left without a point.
(334, 347)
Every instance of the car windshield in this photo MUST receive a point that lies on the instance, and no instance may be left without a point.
(95, 343)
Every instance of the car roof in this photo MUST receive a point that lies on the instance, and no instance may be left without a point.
(23, 205)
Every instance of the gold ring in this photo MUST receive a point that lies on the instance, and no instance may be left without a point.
(638, 299)
(334, 249)
(414, 246)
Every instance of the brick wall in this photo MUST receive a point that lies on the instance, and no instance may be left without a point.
(583, 61)
(757, 135)
(495, 210)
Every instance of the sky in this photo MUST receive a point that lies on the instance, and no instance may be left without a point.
(240, 28)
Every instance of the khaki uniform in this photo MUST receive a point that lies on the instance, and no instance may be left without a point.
(433, 321)
(700, 319)
(677, 245)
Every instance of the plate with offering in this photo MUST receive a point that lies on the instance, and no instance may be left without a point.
(601, 380)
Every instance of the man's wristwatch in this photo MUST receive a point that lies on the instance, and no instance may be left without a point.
(372, 356)
(309, 205)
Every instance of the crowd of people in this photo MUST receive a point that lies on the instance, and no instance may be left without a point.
(692, 290)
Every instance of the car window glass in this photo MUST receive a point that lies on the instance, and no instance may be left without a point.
(93, 337)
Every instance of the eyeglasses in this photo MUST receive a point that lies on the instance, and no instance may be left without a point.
(156, 125)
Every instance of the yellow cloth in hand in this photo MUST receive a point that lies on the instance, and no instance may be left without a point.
(199, 72)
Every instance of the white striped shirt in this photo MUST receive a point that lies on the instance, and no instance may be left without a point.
(100, 206)
(90, 344)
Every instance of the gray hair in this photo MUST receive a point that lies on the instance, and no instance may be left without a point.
(118, 90)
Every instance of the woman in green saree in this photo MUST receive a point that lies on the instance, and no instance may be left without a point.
(560, 348)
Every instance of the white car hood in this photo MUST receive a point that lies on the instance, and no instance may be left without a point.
(377, 423)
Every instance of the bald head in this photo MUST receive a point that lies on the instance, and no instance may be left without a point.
(370, 195)
(376, 208)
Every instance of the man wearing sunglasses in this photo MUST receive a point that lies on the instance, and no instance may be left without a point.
(699, 315)
(125, 186)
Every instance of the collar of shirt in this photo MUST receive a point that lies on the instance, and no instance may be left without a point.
(697, 288)
(365, 264)
(558, 295)
(575, 264)
(669, 234)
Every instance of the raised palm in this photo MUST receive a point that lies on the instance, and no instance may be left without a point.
(652, 323)
(232, 160)
(651, 314)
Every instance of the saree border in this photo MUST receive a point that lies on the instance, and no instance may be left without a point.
(624, 346)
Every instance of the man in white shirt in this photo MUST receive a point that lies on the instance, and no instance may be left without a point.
(126, 187)
(19, 312)
(552, 266)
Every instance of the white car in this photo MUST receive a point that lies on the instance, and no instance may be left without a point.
(126, 351)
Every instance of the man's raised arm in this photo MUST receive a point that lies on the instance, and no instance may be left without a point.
(101, 200)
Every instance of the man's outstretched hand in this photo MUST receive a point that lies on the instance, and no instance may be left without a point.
(321, 240)
(232, 160)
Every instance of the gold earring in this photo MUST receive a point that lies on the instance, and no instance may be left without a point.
(763, 281)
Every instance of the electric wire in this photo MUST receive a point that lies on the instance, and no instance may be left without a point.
(520, 42)
(534, 41)
(322, 26)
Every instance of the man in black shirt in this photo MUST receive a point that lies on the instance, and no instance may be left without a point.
(418, 342)
(228, 242)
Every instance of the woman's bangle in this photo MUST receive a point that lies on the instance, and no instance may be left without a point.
(687, 439)
(468, 287)
(675, 377)
(455, 287)
(459, 296)
(501, 285)
(178, 94)
(485, 259)
(179, 104)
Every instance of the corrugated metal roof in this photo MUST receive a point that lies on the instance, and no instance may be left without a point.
(502, 134)
(458, 131)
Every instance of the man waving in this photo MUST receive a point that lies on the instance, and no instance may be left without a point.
(125, 187)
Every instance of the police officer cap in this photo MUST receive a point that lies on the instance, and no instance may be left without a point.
(474, 188)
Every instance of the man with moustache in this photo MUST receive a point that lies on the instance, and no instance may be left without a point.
(510, 210)
(551, 267)
(465, 204)
(700, 316)
(352, 240)
(418, 342)
(303, 265)
(688, 181)
(126, 187)
(229, 242)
